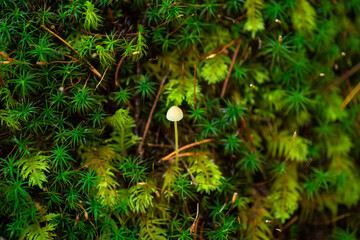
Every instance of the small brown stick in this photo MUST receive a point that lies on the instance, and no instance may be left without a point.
(72, 85)
(218, 50)
(93, 69)
(180, 25)
(135, 34)
(232, 204)
(159, 145)
(195, 86)
(346, 75)
(66, 55)
(31, 7)
(230, 69)
(10, 60)
(4, 55)
(245, 52)
(195, 230)
(186, 147)
(186, 208)
(267, 181)
(101, 78)
(86, 214)
(111, 15)
(168, 21)
(192, 5)
(351, 95)
(1, 81)
(67, 44)
(86, 81)
(10, 152)
(188, 170)
(140, 151)
(117, 70)
(240, 17)
(291, 222)
(192, 228)
(350, 89)
(46, 63)
(332, 220)
(115, 192)
(201, 230)
(192, 154)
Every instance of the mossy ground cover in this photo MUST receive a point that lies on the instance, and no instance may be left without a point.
(268, 142)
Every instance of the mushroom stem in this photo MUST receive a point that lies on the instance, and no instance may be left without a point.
(176, 142)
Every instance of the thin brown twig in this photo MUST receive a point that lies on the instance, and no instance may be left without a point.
(267, 181)
(350, 89)
(2, 83)
(180, 25)
(67, 44)
(159, 145)
(72, 85)
(192, 5)
(101, 78)
(115, 192)
(111, 15)
(192, 228)
(344, 76)
(192, 154)
(291, 222)
(232, 204)
(31, 7)
(186, 147)
(60, 38)
(11, 151)
(140, 151)
(11, 60)
(168, 21)
(202, 230)
(351, 95)
(230, 69)
(86, 81)
(188, 170)
(218, 50)
(195, 230)
(46, 63)
(333, 220)
(240, 17)
(117, 70)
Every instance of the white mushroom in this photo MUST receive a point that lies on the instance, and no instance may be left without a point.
(174, 114)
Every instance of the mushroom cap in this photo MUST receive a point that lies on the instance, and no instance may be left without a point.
(174, 114)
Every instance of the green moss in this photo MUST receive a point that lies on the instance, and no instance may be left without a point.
(81, 82)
